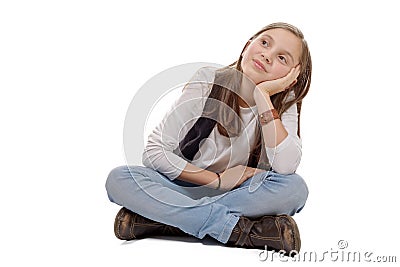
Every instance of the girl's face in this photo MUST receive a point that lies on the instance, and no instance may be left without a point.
(271, 55)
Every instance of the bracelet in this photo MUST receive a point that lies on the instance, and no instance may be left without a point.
(219, 181)
(268, 116)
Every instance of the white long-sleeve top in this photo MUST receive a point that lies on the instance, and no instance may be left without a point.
(217, 152)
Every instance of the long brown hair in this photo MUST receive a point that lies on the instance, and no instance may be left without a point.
(226, 87)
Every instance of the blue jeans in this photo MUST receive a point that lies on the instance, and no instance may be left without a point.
(201, 211)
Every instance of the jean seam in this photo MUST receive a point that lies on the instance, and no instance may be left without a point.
(225, 226)
(208, 218)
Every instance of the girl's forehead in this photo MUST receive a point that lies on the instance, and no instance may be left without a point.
(281, 34)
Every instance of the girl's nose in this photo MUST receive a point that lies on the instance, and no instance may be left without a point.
(266, 57)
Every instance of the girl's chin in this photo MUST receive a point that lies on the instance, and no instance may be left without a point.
(257, 77)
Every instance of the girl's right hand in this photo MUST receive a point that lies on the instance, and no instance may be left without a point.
(234, 177)
(273, 87)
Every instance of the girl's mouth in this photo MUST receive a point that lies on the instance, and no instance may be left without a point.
(259, 65)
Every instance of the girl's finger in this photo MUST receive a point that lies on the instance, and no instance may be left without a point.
(259, 170)
(290, 79)
(291, 72)
(297, 70)
(247, 175)
(292, 75)
(254, 171)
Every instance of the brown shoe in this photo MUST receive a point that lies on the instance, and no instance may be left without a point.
(129, 225)
(278, 232)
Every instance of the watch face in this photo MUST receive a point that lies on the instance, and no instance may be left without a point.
(268, 116)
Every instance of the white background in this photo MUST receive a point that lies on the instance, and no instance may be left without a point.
(69, 69)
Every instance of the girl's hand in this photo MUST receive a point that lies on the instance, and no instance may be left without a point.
(234, 177)
(276, 86)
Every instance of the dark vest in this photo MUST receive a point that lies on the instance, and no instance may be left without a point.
(190, 144)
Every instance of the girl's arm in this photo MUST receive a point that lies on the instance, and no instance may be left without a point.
(280, 135)
(230, 178)
(199, 176)
(164, 139)
(274, 132)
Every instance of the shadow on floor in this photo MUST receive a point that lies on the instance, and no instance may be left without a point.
(188, 239)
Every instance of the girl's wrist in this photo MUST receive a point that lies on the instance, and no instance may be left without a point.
(219, 181)
(263, 100)
(215, 181)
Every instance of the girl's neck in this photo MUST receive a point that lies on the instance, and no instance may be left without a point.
(246, 90)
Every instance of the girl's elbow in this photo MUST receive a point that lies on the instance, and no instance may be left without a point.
(283, 170)
(286, 167)
(147, 159)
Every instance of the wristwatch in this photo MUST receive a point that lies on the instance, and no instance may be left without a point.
(268, 116)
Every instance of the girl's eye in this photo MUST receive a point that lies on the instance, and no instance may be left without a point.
(264, 43)
(282, 58)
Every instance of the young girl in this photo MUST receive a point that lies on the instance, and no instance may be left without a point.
(222, 161)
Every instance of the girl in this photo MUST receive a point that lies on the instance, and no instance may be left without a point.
(222, 161)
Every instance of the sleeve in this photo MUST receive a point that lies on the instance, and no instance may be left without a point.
(164, 139)
(285, 157)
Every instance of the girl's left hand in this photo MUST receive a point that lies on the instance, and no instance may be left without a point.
(276, 86)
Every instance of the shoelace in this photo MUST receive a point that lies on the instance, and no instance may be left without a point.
(244, 233)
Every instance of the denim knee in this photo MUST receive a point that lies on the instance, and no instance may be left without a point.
(113, 180)
(292, 192)
(299, 192)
